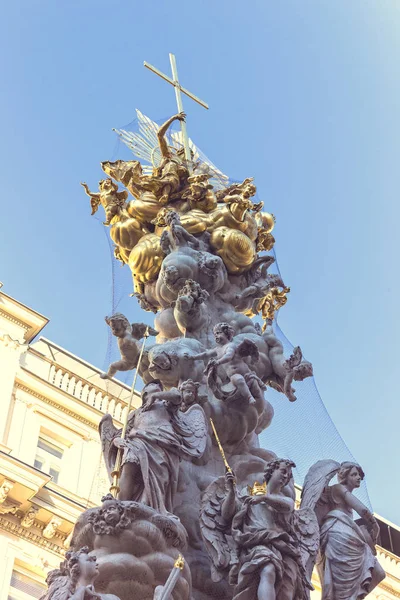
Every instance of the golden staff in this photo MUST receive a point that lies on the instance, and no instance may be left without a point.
(220, 447)
(114, 489)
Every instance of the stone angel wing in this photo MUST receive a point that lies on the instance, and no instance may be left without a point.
(108, 432)
(216, 533)
(248, 348)
(306, 520)
(192, 426)
(315, 484)
(295, 358)
(139, 329)
(306, 528)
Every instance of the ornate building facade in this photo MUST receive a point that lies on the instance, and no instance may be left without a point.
(50, 455)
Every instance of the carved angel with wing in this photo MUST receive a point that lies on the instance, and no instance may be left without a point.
(158, 436)
(109, 197)
(348, 566)
(259, 539)
(232, 356)
(128, 335)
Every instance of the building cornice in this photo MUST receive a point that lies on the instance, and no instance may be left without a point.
(28, 320)
(30, 536)
(54, 404)
(13, 319)
(389, 589)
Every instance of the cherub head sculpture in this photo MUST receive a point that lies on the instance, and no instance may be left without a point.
(194, 290)
(189, 390)
(107, 186)
(279, 472)
(165, 217)
(223, 333)
(111, 518)
(118, 324)
(350, 474)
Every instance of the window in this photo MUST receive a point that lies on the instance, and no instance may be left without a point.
(48, 457)
(23, 587)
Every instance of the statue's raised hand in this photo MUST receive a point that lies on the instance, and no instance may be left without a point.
(91, 594)
(252, 500)
(230, 480)
(211, 365)
(181, 116)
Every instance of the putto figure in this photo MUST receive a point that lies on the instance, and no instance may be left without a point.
(348, 567)
(109, 197)
(257, 536)
(128, 336)
(232, 356)
(136, 548)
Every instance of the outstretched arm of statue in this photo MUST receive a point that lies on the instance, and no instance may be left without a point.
(202, 355)
(165, 151)
(88, 192)
(360, 508)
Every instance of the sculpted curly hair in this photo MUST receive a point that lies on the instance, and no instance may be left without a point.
(100, 527)
(273, 465)
(226, 329)
(192, 288)
(117, 317)
(345, 469)
(62, 582)
(72, 564)
(189, 383)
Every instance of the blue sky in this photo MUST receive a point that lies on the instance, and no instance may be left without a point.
(304, 95)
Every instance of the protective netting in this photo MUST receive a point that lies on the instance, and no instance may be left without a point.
(303, 430)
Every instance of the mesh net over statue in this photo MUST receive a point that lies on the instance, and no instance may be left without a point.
(199, 509)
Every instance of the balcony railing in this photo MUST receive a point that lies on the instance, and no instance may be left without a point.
(88, 393)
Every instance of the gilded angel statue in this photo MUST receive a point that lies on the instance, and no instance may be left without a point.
(257, 537)
(108, 196)
(128, 336)
(232, 356)
(347, 566)
(159, 435)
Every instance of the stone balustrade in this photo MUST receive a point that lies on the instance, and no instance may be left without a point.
(87, 392)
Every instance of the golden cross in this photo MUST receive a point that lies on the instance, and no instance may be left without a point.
(179, 90)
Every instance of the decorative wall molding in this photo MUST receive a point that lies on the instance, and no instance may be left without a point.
(9, 342)
(29, 517)
(56, 405)
(14, 320)
(50, 530)
(387, 588)
(30, 536)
